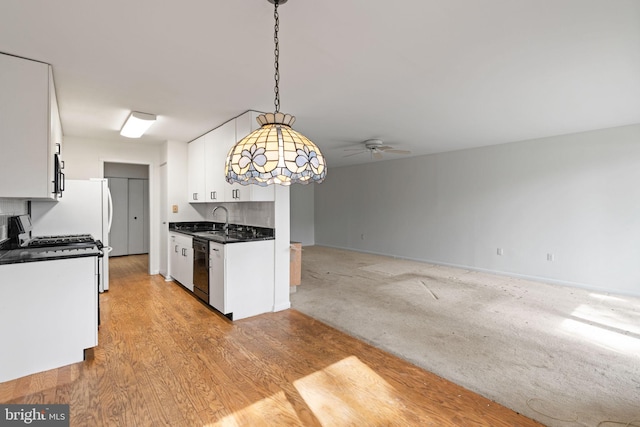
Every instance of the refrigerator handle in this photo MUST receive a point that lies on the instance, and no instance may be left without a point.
(110, 210)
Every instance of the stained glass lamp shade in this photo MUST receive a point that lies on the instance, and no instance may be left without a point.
(275, 154)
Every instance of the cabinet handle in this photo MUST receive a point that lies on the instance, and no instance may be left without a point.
(176, 249)
(214, 249)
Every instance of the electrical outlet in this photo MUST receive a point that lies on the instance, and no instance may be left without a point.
(500, 251)
(174, 209)
(551, 257)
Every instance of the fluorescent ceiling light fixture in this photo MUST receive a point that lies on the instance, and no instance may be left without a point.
(137, 124)
(275, 153)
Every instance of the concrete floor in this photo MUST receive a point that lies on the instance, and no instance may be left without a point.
(562, 356)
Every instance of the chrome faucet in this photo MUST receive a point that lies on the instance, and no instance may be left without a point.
(225, 227)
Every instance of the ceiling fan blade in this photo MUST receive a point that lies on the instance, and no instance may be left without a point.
(377, 155)
(353, 154)
(398, 151)
(354, 149)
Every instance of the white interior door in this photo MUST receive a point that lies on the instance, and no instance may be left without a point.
(118, 237)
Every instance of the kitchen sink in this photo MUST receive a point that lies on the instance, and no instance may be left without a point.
(218, 236)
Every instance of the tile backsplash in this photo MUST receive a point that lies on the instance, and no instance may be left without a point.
(259, 214)
(10, 207)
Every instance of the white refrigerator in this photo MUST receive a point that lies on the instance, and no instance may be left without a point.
(84, 208)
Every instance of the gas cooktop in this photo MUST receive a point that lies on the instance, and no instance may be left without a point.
(77, 240)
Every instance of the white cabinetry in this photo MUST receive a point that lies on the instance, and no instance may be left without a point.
(195, 179)
(30, 129)
(241, 278)
(216, 150)
(48, 314)
(216, 277)
(245, 124)
(181, 259)
(207, 156)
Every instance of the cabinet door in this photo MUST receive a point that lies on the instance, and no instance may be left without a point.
(216, 277)
(185, 246)
(26, 169)
(174, 257)
(217, 147)
(245, 124)
(196, 177)
(187, 267)
(181, 259)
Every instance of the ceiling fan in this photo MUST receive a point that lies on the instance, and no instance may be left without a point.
(375, 147)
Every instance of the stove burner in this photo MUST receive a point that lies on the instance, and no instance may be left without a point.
(82, 240)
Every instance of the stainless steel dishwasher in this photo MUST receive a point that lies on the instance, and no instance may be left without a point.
(201, 269)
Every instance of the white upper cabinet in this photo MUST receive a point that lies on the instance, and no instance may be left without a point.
(207, 156)
(245, 124)
(195, 177)
(30, 129)
(216, 148)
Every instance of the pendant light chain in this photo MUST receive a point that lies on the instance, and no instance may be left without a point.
(275, 153)
(277, 55)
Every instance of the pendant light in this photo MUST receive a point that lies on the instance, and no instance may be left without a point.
(275, 153)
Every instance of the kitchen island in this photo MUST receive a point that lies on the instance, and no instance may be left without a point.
(48, 309)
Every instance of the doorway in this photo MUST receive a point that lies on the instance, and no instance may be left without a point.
(129, 186)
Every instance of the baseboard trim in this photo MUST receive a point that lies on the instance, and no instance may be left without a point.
(499, 272)
(282, 306)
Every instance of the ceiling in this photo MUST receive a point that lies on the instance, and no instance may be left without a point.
(422, 75)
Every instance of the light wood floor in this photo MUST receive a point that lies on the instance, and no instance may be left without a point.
(166, 359)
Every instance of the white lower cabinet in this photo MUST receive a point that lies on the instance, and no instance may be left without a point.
(241, 278)
(216, 277)
(48, 314)
(181, 259)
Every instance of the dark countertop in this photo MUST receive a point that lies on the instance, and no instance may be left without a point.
(213, 231)
(14, 256)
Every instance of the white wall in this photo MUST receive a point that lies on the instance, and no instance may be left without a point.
(574, 196)
(84, 158)
(302, 214)
(126, 170)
